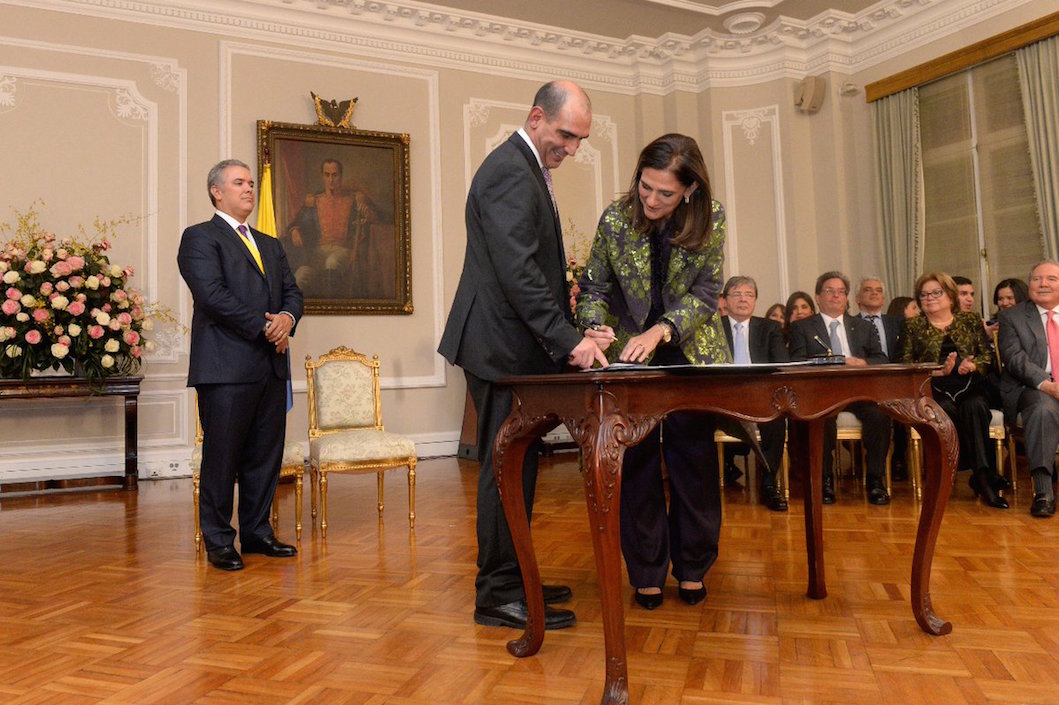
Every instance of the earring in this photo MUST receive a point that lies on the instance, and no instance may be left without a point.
(687, 198)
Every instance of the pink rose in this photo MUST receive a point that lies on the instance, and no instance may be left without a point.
(46, 288)
(65, 340)
(119, 296)
(76, 308)
(11, 307)
(61, 269)
(136, 351)
(33, 337)
(125, 318)
(40, 315)
(62, 286)
(75, 263)
(13, 293)
(114, 324)
(77, 282)
(131, 337)
(95, 332)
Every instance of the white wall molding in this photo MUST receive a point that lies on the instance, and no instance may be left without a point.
(749, 125)
(407, 30)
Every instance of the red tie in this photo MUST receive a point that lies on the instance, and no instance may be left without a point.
(1053, 344)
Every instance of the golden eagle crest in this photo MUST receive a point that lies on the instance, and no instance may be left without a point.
(331, 113)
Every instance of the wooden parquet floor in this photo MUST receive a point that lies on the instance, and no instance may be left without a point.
(103, 600)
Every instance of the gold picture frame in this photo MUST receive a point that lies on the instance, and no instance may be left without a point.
(341, 200)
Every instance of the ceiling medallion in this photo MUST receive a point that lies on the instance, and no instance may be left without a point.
(744, 22)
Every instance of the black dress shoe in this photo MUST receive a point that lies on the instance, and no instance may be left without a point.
(226, 558)
(877, 492)
(980, 483)
(692, 596)
(270, 546)
(647, 600)
(731, 474)
(773, 498)
(999, 483)
(556, 593)
(1043, 506)
(898, 471)
(829, 488)
(513, 614)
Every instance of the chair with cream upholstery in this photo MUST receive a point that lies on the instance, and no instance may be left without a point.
(849, 431)
(720, 437)
(997, 433)
(294, 459)
(345, 427)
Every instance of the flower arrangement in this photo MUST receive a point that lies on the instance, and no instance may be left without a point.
(66, 306)
(579, 245)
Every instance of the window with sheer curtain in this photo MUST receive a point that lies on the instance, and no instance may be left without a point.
(981, 218)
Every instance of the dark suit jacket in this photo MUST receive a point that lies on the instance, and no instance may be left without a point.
(764, 338)
(892, 328)
(231, 295)
(511, 313)
(861, 334)
(1023, 352)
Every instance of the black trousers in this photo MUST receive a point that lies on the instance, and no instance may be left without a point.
(971, 416)
(874, 435)
(499, 578)
(687, 535)
(243, 429)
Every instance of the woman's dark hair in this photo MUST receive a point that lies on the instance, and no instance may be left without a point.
(793, 299)
(680, 156)
(898, 306)
(777, 307)
(1018, 288)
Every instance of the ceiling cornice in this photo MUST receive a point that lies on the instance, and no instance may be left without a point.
(441, 37)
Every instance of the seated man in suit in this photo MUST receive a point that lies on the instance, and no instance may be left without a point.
(1029, 347)
(834, 331)
(755, 339)
(871, 298)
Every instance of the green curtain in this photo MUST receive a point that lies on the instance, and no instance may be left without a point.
(1039, 81)
(899, 188)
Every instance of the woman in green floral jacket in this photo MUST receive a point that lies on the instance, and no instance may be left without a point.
(649, 295)
(956, 340)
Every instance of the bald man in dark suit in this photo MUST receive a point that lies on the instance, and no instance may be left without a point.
(511, 316)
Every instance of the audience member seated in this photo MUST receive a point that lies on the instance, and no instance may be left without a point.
(871, 295)
(777, 312)
(1006, 294)
(954, 339)
(1029, 348)
(755, 339)
(799, 305)
(964, 294)
(834, 331)
(903, 306)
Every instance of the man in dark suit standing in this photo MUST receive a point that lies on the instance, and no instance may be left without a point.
(753, 339)
(246, 307)
(511, 316)
(1029, 349)
(834, 331)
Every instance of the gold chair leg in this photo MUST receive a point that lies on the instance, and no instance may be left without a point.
(314, 486)
(720, 462)
(198, 525)
(1012, 463)
(323, 503)
(379, 482)
(917, 470)
(785, 464)
(274, 513)
(298, 506)
(412, 494)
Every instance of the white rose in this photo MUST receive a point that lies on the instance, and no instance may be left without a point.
(59, 303)
(106, 361)
(13, 350)
(4, 266)
(74, 330)
(3, 334)
(115, 270)
(102, 318)
(148, 324)
(59, 351)
(36, 267)
(21, 316)
(112, 345)
(92, 282)
(11, 277)
(28, 300)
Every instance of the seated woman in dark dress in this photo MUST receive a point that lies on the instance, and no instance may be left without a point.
(956, 340)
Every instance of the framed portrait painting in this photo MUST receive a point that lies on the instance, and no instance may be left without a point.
(341, 202)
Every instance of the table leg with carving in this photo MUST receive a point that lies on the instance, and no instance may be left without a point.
(131, 463)
(512, 441)
(807, 450)
(939, 473)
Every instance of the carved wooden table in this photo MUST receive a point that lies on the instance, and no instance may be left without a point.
(607, 411)
(56, 387)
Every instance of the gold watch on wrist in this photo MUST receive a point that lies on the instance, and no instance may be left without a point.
(667, 332)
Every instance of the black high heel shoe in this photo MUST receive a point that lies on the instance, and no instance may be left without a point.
(982, 488)
(692, 596)
(648, 600)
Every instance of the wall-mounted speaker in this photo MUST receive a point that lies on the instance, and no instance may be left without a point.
(809, 94)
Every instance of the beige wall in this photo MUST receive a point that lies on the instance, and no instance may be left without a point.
(123, 114)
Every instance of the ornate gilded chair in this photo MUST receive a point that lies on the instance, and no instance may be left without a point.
(294, 458)
(345, 427)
